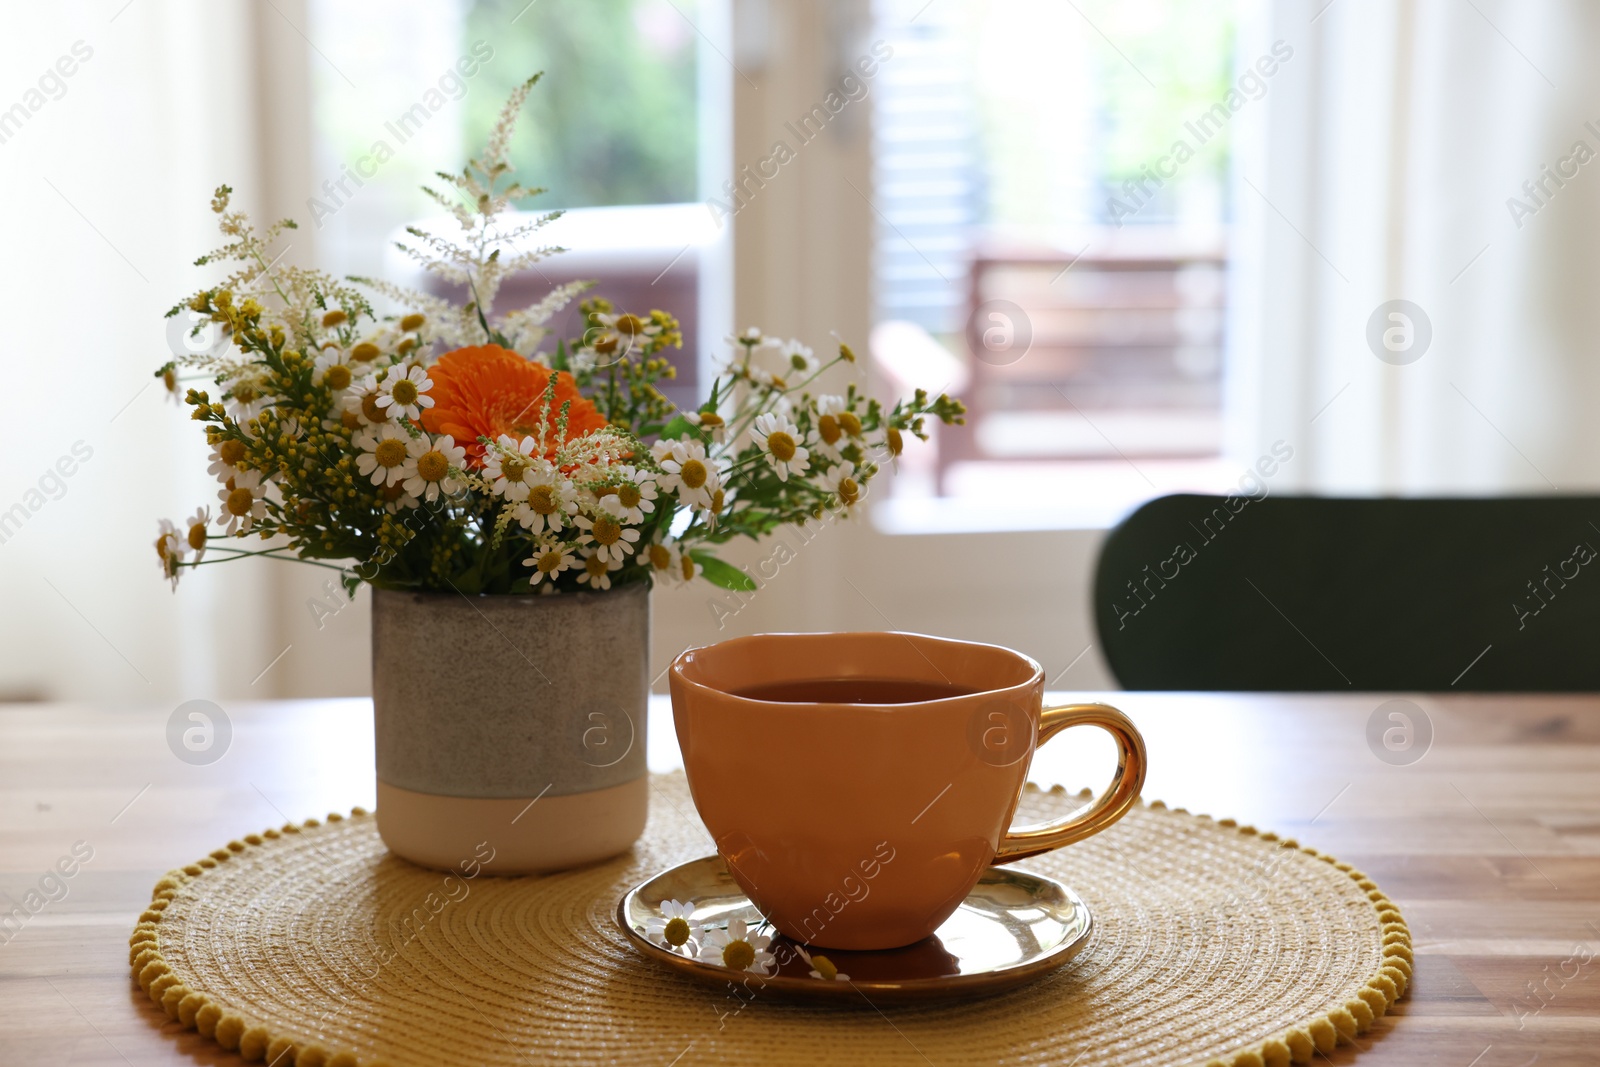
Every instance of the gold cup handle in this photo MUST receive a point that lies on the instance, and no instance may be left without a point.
(1022, 842)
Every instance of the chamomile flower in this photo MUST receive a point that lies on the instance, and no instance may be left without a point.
(550, 503)
(737, 949)
(246, 397)
(840, 480)
(688, 472)
(195, 532)
(333, 370)
(361, 402)
(384, 451)
(169, 383)
(822, 967)
(225, 459)
(429, 464)
(170, 546)
(406, 392)
(798, 360)
(710, 422)
(396, 498)
(596, 571)
(242, 504)
(633, 498)
(613, 542)
(662, 557)
(622, 334)
(779, 438)
(549, 560)
(509, 466)
(673, 929)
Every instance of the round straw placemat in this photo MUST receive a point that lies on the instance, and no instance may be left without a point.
(311, 945)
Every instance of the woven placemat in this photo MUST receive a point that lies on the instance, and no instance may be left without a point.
(311, 945)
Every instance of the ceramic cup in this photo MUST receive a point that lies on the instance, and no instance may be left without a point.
(864, 826)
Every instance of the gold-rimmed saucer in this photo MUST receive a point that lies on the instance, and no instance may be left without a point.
(1013, 927)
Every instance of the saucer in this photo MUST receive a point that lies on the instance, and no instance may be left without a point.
(1013, 927)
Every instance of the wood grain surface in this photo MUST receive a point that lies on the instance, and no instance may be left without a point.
(1487, 835)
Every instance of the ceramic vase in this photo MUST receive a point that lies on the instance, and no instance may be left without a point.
(511, 725)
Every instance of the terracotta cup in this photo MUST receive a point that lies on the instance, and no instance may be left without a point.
(864, 826)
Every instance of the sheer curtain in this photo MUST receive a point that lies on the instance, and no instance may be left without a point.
(117, 122)
(1388, 162)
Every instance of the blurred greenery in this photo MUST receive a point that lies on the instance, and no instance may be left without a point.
(614, 119)
(1186, 49)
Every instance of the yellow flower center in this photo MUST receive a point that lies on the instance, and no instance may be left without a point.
(197, 536)
(779, 383)
(391, 452)
(365, 352)
(824, 966)
(161, 547)
(629, 324)
(550, 561)
(169, 378)
(716, 500)
(231, 452)
(828, 428)
(333, 318)
(693, 473)
(711, 419)
(394, 492)
(606, 532)
(542, 499)
(660, 558)
(370, 408)
(628, 495)
(797, 361)
(851, 424)
(595, 566)
(432, 466)
(896, 443)
(676, 932)
(687, 566)
(349, 420)
(781, 445)
(244, 392)
(512, 470)
(240, 501)
(404, 392)
(413, 321)
(738, 955)
(849, 491)
(337, 377)
(606, 345)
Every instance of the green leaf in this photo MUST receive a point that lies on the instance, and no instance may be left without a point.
(678, 427)
(723, 574)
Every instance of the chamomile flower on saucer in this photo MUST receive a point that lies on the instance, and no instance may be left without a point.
(551, 501)
(779, 438)
(737, 949)
(612, 541)
(687, 471)
(195, 532)
(429, 465)
(596, 571)
(822, 967)
(549, 560)
(384, 454)
(673, 927)
(406, 392)
(509, 466)
(241, 502)
(171, 547)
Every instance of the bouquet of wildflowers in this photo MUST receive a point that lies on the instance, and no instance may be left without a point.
(439, 448)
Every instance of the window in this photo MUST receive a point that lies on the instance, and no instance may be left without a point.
(1040, 223)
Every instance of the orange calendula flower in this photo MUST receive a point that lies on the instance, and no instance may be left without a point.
(487, 391)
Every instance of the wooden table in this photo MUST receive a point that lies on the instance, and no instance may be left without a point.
(1490, 843)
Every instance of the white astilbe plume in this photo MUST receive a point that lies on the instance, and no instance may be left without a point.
(482, 256)
(527, 327)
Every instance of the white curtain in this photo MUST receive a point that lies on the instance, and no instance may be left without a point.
(131, 113)
(1380, 166)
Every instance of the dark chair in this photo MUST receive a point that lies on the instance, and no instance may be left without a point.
(1306, 593)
